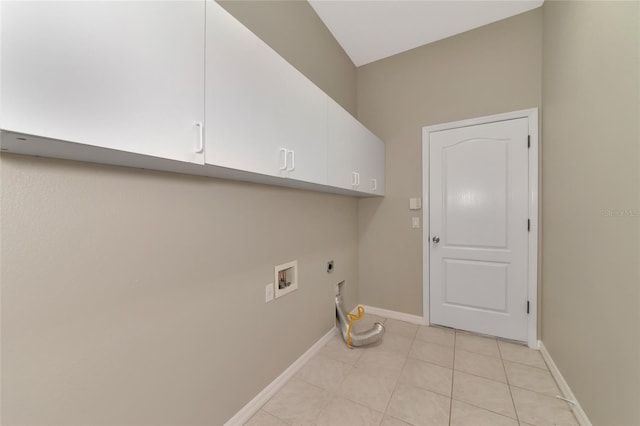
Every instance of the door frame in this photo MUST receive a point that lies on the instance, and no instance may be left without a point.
(532, 261)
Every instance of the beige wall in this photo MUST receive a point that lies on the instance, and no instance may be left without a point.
(591, 281)
(135, 297)
(486, 71)
(292, 28)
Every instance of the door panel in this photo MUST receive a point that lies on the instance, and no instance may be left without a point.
(476, 193)
(478, 215)
(461, 279)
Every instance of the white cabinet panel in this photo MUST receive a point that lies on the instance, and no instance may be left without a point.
(374, 176)
(342, 148)
(172, 85)
(122, 75)
(262, 115)
(355, 155)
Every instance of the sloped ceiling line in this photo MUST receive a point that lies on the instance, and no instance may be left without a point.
(369, 30)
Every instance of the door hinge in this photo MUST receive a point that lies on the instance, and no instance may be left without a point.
(528, 141)
(528, 225)
(527, 306)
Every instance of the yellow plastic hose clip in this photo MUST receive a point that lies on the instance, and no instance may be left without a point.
(352, 318)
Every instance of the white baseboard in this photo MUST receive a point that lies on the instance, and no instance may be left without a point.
(400, 316)
(252, 407)
(581, 416)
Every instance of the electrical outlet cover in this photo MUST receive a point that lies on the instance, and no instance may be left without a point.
(268, 292)
(415, 203)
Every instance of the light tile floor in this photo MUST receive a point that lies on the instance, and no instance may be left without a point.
(419, 376)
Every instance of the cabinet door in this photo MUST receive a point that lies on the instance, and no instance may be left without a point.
(307, 131)
(355, 155)
(262, 115)
(372, 154)
(121, 75)
(343, 147)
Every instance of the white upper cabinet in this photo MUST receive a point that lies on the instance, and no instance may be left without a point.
(262, 115)
(172, 85)
(356, 157)
(122, 75)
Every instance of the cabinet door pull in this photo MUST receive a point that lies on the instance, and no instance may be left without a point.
(357, 179)
(284, 156)
(200, 138)
(374, 184)
(293, 161)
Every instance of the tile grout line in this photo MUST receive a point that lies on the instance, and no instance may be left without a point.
(522, 346)
(513, 401)
(480, 377)
(433, 343)
(484, 408)
(488, 379)
(503, 362)
(536, 392)
(453, 370)
(397, 382)
(351, 366)
(528, 365)
(296, 377)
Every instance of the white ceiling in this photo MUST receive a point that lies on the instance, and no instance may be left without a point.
(369, 30)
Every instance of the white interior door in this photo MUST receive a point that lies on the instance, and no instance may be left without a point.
(479, 228)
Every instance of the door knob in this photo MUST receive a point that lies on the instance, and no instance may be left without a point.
(436, 240)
